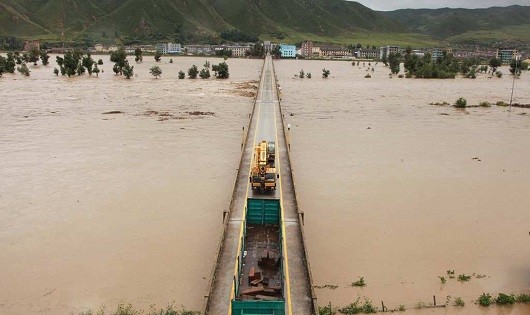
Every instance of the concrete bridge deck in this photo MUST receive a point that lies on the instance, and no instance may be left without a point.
(266, 124)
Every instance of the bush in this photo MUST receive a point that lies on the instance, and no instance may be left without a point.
(368, 76)
(400, 76)
(498, 74)
(485, 299)
(401, 308)
(356, 308)
(463, 277)
(501, 103)
(182, 75)
(302, 74)
(155, 71)
(459, 302)
(23, 69)
(359, 283)
(484, 104)
(461, 103)
(205, 73)
(505, 299)
(523, 298)
(308, 75)
(326, 310)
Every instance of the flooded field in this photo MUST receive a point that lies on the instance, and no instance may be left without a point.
(126, 206)
(399, 191)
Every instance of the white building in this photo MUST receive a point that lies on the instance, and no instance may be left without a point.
(387, 50)
(174, 48)
(239, 50)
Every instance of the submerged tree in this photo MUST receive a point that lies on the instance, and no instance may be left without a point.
(394, 60)
(138, 55)
(222, 71)
(44, 57)
(325, 73)
(119, 58)
(128, 71)
(158, 55)
(192, 72)
(494, 64)
(155, 71)
(204, 74)
(23, 69)
(33, 55)
(88, 63)
(182, 75)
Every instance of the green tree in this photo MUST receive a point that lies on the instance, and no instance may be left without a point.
(138, 55)
(44, 57)
(96, 70)
(222, 71)
(494, 64)
(3, 62)
(384, 60)
(182, 75)
(70, 63)
(192, 72)
(394, 60)
(155, 71)
(204, 74)
(59, 60)
(80, 69)
(207, 64)
(23, 69)
(302, 74)
(517, 66)
(33, 55)
(100, 62)
(10, 63)
(325, 73)
(308, 75)
(88, 63)
(56, 71)
(119, 58)
(257, 50)
(128, 71)
(158, 55)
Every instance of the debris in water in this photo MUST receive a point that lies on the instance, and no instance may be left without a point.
(113, 112)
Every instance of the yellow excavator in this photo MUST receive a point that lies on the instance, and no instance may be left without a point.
(263, 175)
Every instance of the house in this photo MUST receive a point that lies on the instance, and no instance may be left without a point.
(174, 48)
(31, 44)
(316, 52)
(113, 48)
(99, 48)
(287, 51)
(507, 55)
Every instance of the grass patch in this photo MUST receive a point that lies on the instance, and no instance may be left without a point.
(443, 280)
(356, 307)
(359, 283)
(127, 309)
(463, 278)
(401, 308)
(326, 310)
(484, 104)
(459, 302)
(327, 286)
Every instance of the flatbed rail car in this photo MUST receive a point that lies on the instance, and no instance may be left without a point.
(259, 283)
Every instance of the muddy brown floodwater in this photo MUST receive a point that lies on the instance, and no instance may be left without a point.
(399, 191)
(101, 208)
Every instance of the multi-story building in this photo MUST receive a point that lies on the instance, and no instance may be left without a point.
(307, 49)
(174, 48)
(367, 53)
(507, 55)
(315, 51)
(387, 50)
(437, 53)
(162, 47)
(198, 49)
(288, 51)
(239, 50)
(334, 51)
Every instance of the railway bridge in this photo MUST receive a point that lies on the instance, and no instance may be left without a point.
(297, 294)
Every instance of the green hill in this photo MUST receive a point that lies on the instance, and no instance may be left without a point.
(469, 26)
(110, 21)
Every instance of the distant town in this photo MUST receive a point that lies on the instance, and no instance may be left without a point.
(307, 49)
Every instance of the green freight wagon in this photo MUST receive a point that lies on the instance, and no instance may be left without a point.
(260, 282)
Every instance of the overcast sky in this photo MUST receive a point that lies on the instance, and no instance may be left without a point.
(389, 5)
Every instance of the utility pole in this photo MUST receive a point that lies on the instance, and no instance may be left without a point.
(513, 82)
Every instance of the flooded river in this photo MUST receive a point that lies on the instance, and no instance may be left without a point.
(399, 191)
(101, 208)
